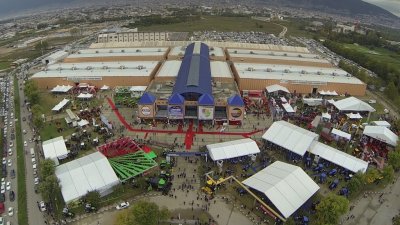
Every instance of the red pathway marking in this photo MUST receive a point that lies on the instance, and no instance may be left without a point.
(130, 128)
(189, 136)
(145, 136)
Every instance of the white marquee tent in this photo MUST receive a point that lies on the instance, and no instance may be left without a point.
(61, 88)
(83, 95)
(312, 101)
(288, 108)
(60, 105)
(290, 137)
(326, 116)
(105, 87)
(381, 123)
(232, 149)
(328, 93)
(353, 104)
(354, 116)
(89, 173)
(381, 133)
(287, 186)
(341, 134)
(339, 158)
(55, 149)
(276, 87)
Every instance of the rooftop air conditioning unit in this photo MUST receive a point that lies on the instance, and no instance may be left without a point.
(251, 52)
(111, 51)
(138, 50)
(269, 70)
(212, 49)
(88, 67)
(235, 51)
(285, 54)
(286, 71)
(122, 67)
(250, 69)
(140, 67)
(105, 67)
(300, 56)
(73, 68)
(97, 51)
(303, 72)
(123, 50)
(319, 73)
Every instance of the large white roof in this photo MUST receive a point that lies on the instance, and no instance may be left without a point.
(55, 149)
(232, 149)
(89, 173)
(170, 68)
(290, 137)
(287, 186)
(381, 133)
(180, 51)
(353, 104)
(338, 157)
(112, 52)
(85, 70)
(382, 123)
(341, 133)
(261, 71)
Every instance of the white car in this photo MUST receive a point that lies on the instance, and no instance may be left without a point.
(11, 144)
(24, 131)
(122, 205)
(25, 144)
(42, 206)
(4, 161)
(3, 189)
(36, 180)
(10, 211)
(10, 152)
(8, 185)
(9, 162)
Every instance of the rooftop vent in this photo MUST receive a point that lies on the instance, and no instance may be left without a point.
(122, 67)
(88, 67)
(123, 50)
(111, 51)
(97, 51)
(105, 67)
(300, 56)
(140, 67)
(269, 70)
(250, 69)
(303, 72)
(286, 71)
(138, 50)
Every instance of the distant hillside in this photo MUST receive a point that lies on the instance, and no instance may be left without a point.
(346, 7)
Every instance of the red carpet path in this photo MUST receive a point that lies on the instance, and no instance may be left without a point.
(189, 136)
(179, 131)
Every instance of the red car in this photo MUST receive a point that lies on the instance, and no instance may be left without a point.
(1, 208)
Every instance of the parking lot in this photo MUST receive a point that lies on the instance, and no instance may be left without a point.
(242, 37)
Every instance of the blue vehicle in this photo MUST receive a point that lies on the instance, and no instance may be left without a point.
(332, 172)
(334, 184)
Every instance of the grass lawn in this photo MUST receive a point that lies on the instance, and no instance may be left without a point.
(381, 54)
(22, 205)
(49, 130)
(218, 23)
(295, 28)
(4, 65)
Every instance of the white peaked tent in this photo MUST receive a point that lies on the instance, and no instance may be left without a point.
(105, 87)
(83, 95)
(288, 108)
(232, 149)
(89, 173)
(353, 104)
(290, 137)
(338, 157)
(382, 134)
(381, 123)
(276, 87)
(328, 93)
(326, 115)
(287, 186)
(55, 149)
(60, 105)
(62, 88)
(354, 116)
(341, 134)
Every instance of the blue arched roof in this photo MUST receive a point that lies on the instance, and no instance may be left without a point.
(235, 100)
(147, 98)
(195, 72)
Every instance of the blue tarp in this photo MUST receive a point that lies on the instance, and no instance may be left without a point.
(147, 98)
(235, 100)
(206, 99)
(176, 99)
(194, 75)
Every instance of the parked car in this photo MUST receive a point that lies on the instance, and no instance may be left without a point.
(10, 211)
(11, 195)
(42, 206)
(122, 205)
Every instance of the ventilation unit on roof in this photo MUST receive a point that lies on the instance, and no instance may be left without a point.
(122, 67)
(159, 50)
(286, 71)
(59, 68)
(79, 52)
(212, 49)
(88, 67)
(73, 68)
(269, 70)
(303, 72)
(235, 51)
(140, 67)
(138, 50)
(300, 56)
(334, 74)
(105, 67)
(285, 54)
(123, 50)
(213, 54)
(319, 73)
(111, 51)
(250, 69)
(251, 52)
(97, 51)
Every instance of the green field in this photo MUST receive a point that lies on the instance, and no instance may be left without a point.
(218, 23)
(380, 54)
(4, 65)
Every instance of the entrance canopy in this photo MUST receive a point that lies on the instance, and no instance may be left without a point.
(232, 149)
(339, 158)
(290, 137)
(353, 104)
(275, 88)
(287, 186)
(382, 134)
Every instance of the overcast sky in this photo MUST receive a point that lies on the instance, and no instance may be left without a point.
(10, 6)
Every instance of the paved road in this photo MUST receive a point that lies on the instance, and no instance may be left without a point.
(35, 217)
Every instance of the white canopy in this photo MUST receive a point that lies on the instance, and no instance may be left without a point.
(283, 99)
(354, 115)
(341, 133)
(276, 87)
(89, 173)
(288, 108)
(105, 87)
(353, 104)
(312, 101)
(330, 93)
(290, 137)
(381, 123)
(232, 149)
(326, 115)
(82, 123)
(60, 105)
(339, 158)
(83, 95)
(381, 133)
(62, 88)
(331, 101)
(287, 186)
(138, 88)
(55, 149)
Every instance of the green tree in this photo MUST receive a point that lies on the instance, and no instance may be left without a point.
(387, 174)
(41, 46)
(391, 91)
(394, 159)
(356, 184)
(396, 220)
(330, 209)
(93, 197)
(143, 213)
(47, 168)
(372, 175)
(49, 188)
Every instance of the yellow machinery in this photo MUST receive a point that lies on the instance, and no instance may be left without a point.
(213, 182)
